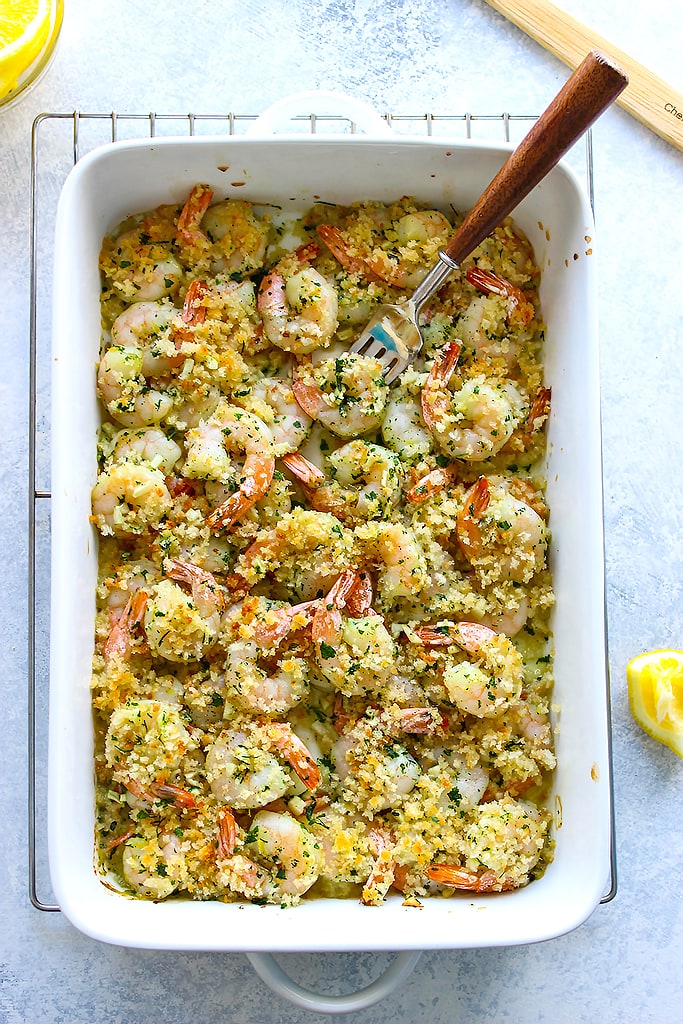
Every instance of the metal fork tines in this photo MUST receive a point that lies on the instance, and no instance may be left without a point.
(393, 336)
(379, 341)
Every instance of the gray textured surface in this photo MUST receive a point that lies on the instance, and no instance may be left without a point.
(405, 56)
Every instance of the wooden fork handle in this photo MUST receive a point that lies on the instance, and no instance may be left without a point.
(594, 85)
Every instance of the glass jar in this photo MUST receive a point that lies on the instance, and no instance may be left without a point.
(21, 69)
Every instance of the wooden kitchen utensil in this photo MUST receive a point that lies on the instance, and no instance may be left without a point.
(648, 98)
(393, 336)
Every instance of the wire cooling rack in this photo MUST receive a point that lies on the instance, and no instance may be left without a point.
(58, 141)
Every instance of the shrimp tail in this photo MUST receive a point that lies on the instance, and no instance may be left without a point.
(468, 530)
(373, 269)
(118, 840)
(251, 490)
(202, 583)
(161, 791)
(194, 306)
(422, 721)
(193, 312)
(433, 636)
(307, 253)
(196, 205)
(431, 483)
(173, 794)
(118, 643)
(340, 249)
(306, 392)
(381, 876)
(471, 636)
(286, 741)
(227, 833)
(313, 482)
(538, 414)
(270, 634)
(231, 511)
(518, 306)
(308, 474)
(340, 590)
(433, 394)
(359, 599)
(458, 878)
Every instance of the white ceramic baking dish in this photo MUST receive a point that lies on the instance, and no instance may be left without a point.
(294, 170)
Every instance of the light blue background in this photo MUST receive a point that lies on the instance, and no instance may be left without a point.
(404, 56)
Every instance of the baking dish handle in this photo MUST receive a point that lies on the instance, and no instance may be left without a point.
(317, 103)
(269, 970)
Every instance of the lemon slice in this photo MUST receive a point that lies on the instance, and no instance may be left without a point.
(24, 31)
(655, 690)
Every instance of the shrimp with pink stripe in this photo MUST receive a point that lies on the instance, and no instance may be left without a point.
(226, 238)
(474, 420)
(346, 393)
(244, 764)
(209, 451)
(181, 627)
(262, 673)
(399, 249)
(519, 828)
(363, 481)
(298, 306)
(355, 655)
(491, 681)
(502, 536)
(139, 263)
(323, 655)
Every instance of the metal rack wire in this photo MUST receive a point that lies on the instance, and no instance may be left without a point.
(58, 141)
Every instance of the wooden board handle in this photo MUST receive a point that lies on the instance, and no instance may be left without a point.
(594, 85)
(648, 98)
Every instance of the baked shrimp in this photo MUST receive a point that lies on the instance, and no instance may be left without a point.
(323, 659)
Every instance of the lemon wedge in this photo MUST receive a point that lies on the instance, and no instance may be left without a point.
(655, 691)
(24, 31)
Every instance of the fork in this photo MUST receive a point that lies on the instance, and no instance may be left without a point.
(393, 334)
